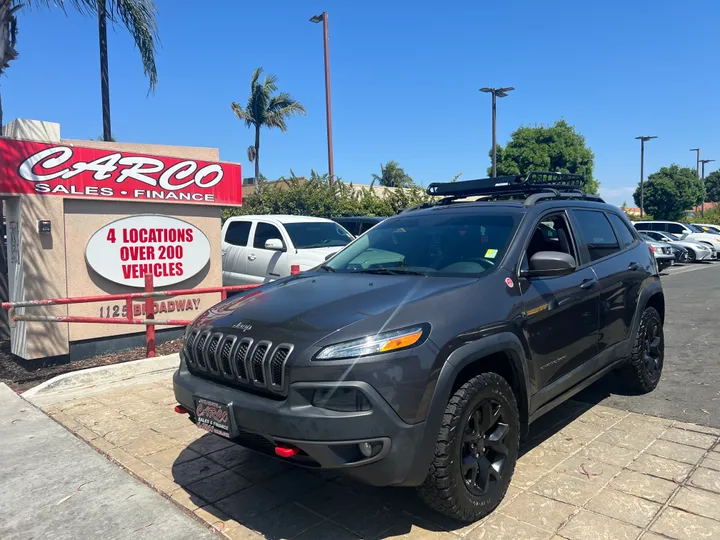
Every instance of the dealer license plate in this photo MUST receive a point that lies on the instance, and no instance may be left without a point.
(212, 416)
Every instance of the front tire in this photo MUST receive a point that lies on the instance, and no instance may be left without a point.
(691, 257)
(476, 450)
(642, 374)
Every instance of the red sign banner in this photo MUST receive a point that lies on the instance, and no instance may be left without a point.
(71, 171)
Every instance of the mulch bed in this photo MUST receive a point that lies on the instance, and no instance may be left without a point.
(20, 377)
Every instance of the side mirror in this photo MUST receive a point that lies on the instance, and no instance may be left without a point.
(550, 263)
(275, 244)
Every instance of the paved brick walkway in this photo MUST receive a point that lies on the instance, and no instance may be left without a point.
(588, 473)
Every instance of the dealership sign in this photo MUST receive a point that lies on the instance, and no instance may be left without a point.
(71, 171)
(127, 249)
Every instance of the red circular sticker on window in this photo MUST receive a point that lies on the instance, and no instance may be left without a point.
(509, 282)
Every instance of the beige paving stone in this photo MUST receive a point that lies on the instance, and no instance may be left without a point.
(652, 536)
(526, 474)
(501, 527)
(678, 452)
(661, 467)
(698, 501)
(706, 479)
(369, 519)
(192, 471)
(80, 406)
(635, 440)
(700, 429)
(711, 461)
(125, 437)
(151, 444)
(417, 529)
(681, 525)
(643, 485)
(286, 521)
(186, 435)
(590, 526)
(189, 500)
(166, 425)
(231, 456)
(587, 469)
(624, 507)
(208, 443)
(602, 417)
(102, 445)
(581, 431)
(539, 511)
(159, 481)
(219, 486)
(241, 533)
(690, 438)
(638, 422)
(119, 423)
(212, 516)
(328, 531)
(563, 443)
(543, 457)
(510, 495)
(607, 453)
(166, 459)
(85, 434)
(245, 504)
(565, 488)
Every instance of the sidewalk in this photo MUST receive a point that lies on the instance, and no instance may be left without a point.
(56, 487)
(587, 473)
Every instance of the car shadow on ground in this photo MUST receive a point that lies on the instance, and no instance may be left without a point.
(233, 485)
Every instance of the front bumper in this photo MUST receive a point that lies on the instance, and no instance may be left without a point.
(327, 439)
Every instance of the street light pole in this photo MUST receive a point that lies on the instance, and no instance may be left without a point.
(704, 161)
(328, 107)
(697, 150)
(496, 93)
(643, 140)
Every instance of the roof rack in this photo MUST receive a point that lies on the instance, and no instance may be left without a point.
(534, 186)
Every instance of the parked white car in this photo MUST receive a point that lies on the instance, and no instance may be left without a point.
(696, 250)
(681, 231)
(708, 227)
(258, 249)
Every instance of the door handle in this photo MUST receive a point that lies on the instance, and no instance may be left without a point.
(251, 257)
(633, 266)
(588, 283)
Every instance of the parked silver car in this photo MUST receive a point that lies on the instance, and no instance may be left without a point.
(662, 250)
(696, 250)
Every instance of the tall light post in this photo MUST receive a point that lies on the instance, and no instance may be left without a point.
(643, 140)
(704, 161)
(697, 150)
(496, 93)
(323, 18)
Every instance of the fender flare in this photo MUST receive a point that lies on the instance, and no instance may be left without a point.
(645, 294)
(460, 358)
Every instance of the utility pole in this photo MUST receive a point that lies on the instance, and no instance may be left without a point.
(496, 93)
(643, 140)
(704, 161)
(328, 107)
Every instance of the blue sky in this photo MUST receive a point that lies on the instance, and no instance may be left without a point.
(405, 80)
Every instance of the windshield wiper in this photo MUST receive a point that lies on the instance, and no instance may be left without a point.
(327, 268)
(390, 272)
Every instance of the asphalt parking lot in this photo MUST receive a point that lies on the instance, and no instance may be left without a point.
(690, 386)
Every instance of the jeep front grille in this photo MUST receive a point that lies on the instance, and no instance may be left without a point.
(240, 361)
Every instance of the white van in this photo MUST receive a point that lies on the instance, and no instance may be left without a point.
(258, 249)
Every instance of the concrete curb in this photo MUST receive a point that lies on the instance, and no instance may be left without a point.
(100, 379)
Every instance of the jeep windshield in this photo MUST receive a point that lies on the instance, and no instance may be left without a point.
(437, 244)
(317, 234)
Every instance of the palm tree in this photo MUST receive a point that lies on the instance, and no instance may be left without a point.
(265, 109)
(137, 16)
(392, 175)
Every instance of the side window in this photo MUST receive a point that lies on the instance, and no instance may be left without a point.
(364, 227)
(263, 233)
(675, 228)
(596, 233)
(551, 234)
(238, 233)
(622, 230)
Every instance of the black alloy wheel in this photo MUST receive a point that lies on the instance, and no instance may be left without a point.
(483, 452)
(651, 353)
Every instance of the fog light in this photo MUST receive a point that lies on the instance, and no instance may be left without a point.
(365, 449)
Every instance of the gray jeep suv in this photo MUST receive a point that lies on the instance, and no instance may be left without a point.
(419, 354)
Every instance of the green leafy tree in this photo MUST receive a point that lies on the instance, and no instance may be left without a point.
(137, 16)
(392, 175)
(670, 191)
(556, 148)
(265, 109)
(712, 187)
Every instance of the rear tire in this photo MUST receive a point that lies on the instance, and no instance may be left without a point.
(476, 450)
(642, 374)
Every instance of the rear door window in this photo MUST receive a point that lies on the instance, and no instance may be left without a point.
(596, 234)
(238, 233)
(623, 231)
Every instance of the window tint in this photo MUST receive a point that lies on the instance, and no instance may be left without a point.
(675, 228)
(597, 234)
(317, 234)
(365, 226)
(552, 234)
(263, 233)
(238, 233)
(622, 230)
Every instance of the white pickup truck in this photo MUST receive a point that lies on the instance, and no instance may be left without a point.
(258, 249)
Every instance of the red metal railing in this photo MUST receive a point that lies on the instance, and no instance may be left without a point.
(148, 295)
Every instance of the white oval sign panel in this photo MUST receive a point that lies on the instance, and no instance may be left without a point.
(170, 249)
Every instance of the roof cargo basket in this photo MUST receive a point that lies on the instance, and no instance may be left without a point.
(532, 182)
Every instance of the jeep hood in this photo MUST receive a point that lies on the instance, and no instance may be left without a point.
(308, 307)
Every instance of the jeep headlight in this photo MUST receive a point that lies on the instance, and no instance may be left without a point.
(394, 340)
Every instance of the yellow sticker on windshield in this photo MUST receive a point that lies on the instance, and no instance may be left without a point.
(491, 253)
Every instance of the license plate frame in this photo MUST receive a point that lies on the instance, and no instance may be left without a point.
(213, 416)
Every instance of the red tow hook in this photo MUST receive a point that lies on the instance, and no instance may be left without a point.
(181, 410)
(286, 451)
